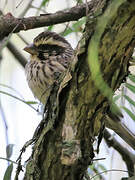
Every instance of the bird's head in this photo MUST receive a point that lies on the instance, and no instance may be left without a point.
(47, 44)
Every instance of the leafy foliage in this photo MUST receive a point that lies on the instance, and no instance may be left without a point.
(9, 150)
(75, 27)
(131, 86)
(8, 173)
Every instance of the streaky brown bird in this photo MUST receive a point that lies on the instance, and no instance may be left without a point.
(51, 56)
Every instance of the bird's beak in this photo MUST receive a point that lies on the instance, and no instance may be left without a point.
(31, 49)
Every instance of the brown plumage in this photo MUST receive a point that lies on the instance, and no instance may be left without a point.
(51, 55)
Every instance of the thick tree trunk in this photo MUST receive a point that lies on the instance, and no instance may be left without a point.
(65, 151)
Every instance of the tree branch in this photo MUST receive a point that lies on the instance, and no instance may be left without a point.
(127, 156)
(16, 53)
(121, 129)
(9, 23)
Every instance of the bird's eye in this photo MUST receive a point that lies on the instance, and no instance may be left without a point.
(41, 56)
(50, 48)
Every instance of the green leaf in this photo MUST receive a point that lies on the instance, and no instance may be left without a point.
(67, 31)
(102, 167)
(115, 98)
(132, 77)
(9, 150)
(129, 113)
(31, 102)
(79, 1)
(76, 27)
(130, 87)
(8, 173)
(44, 2)
(50, 28)
(129, 100)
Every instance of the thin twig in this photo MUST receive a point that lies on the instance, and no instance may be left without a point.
(10, 160)
(5, 124)
(37, 8)
(29, 5)
(87, 7)
(117, 170)
(19, 3)
(19, 99)
(22, 38)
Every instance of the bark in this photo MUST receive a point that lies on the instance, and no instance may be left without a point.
(66, 150)
(10, 24)
(126, 155)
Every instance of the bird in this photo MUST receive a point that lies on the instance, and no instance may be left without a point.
(50, 57)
